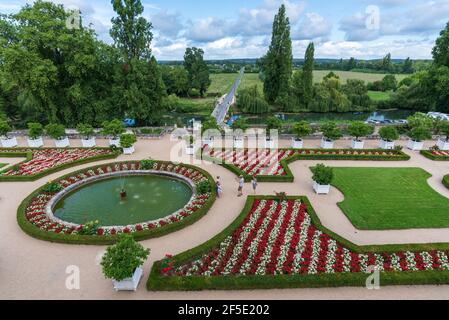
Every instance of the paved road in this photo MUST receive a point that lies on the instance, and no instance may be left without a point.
(222, 108)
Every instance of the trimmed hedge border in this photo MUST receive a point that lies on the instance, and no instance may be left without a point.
(429, 155)
(289, 177)
(29, 156)
(446, 181)
(157, 282)
(40, 234)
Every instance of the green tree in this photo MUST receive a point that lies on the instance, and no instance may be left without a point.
(302, 129)
(85, 130)
(357, 93)
(444, 129)
(358, 129)
(277, 64)
(420, 133)
(5, 128)
(389, 82)
(240, 124)
(331, 131)
(35, 130)
(389, 133)
(407, 66)
(250, 100)
(197, 70)
(441, 50)
(55, 131)
(273, 123)
(309, 62)
(113, 128)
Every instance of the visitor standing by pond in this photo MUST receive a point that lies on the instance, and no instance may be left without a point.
(241, 181)
(254, 184)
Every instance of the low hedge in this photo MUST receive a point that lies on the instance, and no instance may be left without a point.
(446, 181)
(29, 156)
(430, 155)
(35, 232)
(158, 282)
(289, 177)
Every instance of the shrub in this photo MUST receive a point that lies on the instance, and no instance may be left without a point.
(203, 187)
(35, 130)
(273, 123)
(122, 259)
(444, 129)
(55, 131)
(420, 133)
(359, 129)
(331, 131)
(52, 187)
(127, 140)
(86, 130)
(389, 133)
(302, 129)
(90, 228)
(419, 120)
(240, 124)
(147, 164)
(114, 128)
(4, 128)
(322, 175)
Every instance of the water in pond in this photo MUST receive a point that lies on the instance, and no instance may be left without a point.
(149, 197)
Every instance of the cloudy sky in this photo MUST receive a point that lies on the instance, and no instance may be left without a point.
(364, 29)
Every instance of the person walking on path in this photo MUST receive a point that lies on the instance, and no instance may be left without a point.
(254, 184)
(241, 184)
(219, 187)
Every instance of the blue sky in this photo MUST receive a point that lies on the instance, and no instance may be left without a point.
(363, 29)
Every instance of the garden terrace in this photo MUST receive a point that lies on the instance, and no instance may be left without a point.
(280, 243)
(272, 165)
(34, 219)
(390, 198)
(436, 155)
(43, 161)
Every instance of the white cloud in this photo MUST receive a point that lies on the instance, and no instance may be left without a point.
(312, 26)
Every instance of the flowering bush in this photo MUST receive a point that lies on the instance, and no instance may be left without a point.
(279, 238)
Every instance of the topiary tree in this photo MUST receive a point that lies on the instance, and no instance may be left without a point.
(55, 131)
(35, 130)
(444, 129)
(85, 130)
(209, 123)
(147, 164)
(273, 123)
(331, 131)
(113, 128)
(127, 140)
(302, 129)
(5, 128)
(240, 124)
(389, 133)
(419, 119)
(122, 259)
(420, 133)
(359, 129)
(322, 175)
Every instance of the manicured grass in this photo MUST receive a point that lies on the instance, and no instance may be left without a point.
(390, 198)
(379, 95)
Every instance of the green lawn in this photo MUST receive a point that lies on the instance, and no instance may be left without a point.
(318, 76)
(221, 83)
(390, 198)
(379, 95)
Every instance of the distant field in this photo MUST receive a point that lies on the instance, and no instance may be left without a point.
(221, 83)
(251, 79)
(379, 96)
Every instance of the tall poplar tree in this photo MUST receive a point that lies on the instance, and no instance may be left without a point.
(307, 74)
(277, 64)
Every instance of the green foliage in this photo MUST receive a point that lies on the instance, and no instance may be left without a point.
(55, 131)
(147, 164)
(176, 80)
(127, 140)
(122, 259)
(331, 131)
(250, 100)
(35, 130)
(444, 129)
(4, 128)
(240, 124)
(209, 123)
(441, 50)
(420, 120)
(114, 128)
(359, 129)
(307, 75)
(273, 123)
(89, 228)
(302, 129)
(198, 73)
(52, 187)
(86, 130)
(389, 133)
(203, 187)
(322, 175)
(420, 133)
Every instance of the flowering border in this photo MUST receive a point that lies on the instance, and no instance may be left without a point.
(33, 219)
(399, 264)
(280, 171)
(436, 155)
(28, 153)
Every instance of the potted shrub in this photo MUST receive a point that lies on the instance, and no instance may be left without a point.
(57, 132)
(113, 129)
(331, 132)
(87, 135)
(127, 141)
(443, 143)
(301, 130)
(123, 263)
(322, 177)
(239, 126)
(417, 136)
(209, 124)
(35, 132)
(273, 123)
(388, 135)
(7, 142)
(190, 146)
(358, 129)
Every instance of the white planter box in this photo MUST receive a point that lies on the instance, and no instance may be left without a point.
(62, 143)
(415, 145)
(238, 143)
(269, 144)
(9, 143)
(35, 143)
(129, 150)
(326, 144)
(209, 142)
(88, 143)
(443, 145)
(129, 284)
(321, 189)
(386, 145)
(297, 144)
(114, 142)
(190, 150)
(357, 144)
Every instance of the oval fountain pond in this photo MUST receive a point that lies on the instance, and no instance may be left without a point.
(148, 198)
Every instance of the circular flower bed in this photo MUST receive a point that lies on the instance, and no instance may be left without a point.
(34, 219)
